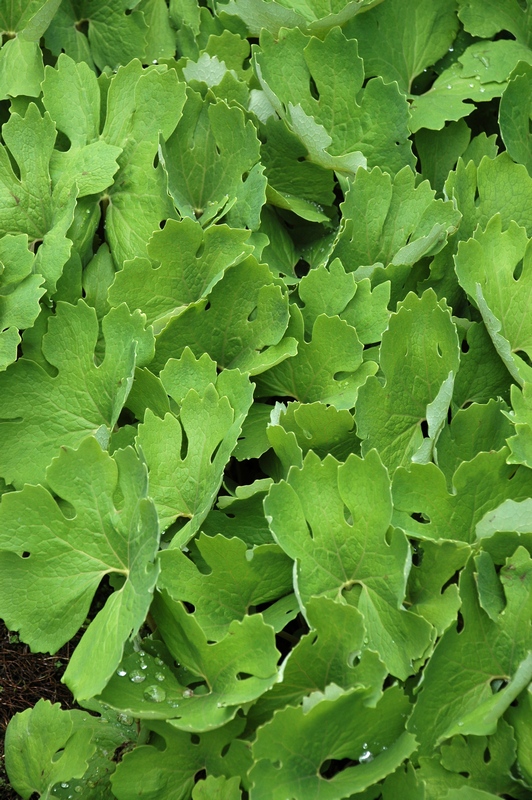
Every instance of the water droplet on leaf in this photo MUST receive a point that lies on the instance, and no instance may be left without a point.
(137, 677)
(159, 677)
(155, 694)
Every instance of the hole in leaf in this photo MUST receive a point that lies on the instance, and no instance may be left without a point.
(225, 749)
(301, 159)
(215, 451)
(418, 516)
(459, 622)
(252, 315)
(189, 607)
(184, 446)
(83, 26)
(195, 739)
(156, 161)
(464, 774)
(487, 755)
(424, 428)
(162, 224)
(526, 358)
(464, 346)
(313, 88)
(417, 554)
(25, 554)
(302, 268)
(449, 416)
(201, 775)
(453, 579)
(332, 766)
(518, 269)
(242, 676)
(497, 685)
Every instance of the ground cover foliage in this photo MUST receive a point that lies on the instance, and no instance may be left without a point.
(266, 391)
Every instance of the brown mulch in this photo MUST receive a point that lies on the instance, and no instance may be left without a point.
(25, 677)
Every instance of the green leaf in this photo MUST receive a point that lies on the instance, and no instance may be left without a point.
(482, 375)
(81, 398)
(458, 694)
(217, 789)
(30, 204)
(435, 564)
(225, 675)
(45, 746)
(398, 42)
(488, 18)
(239, 579)
(478, 486)
(489, 268)
(242, 515)
(142, 107)
(332, 520)
(294, 182)
(335, 128)
(116, 34)
(300, 427)
(71, 546)
(316, 15)
(71, 95)
(329, 368)
(332, 652)
(170, 772)
(480, 74)
(520, 443)
(332, 291)
(520, 716)
(475, 429)
(419, 349)
(335, 726)
(54, 752)
(186, 455)
(440, 150)
(389, 222)
(29, 19)
(208, 158)
(514, 115)
(20, 292)
(190, 262)
(242, 326)
(253, 441)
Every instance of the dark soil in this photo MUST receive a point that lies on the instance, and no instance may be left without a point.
(25, 677)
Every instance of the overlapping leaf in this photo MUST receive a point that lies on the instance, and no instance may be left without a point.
(62, 549)
(81, 398)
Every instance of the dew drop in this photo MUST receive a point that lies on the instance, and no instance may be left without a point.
(188, 693)
(451, 49)
(173, 703)
(482, 89)
(159, 677)
(159, 662)
(141, 653)
(143, 665)
(65, 785)
(154, 61)
(78, 789)
(137, 677)
(449, 86)
(365, 757)
(460, 724)
(155, 694)
(121, 672)
(124, 719)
